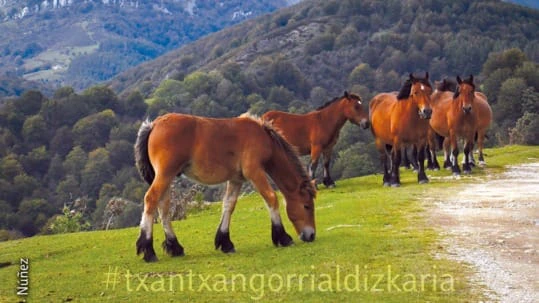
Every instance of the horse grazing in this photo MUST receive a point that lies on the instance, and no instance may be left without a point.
(316, 132)
(455, 116)
(399, 121)
(213, 151)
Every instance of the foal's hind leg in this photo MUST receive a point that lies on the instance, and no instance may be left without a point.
(222, 237)
(170, 244)
(260, 181)
(154, 194)
(328, 181)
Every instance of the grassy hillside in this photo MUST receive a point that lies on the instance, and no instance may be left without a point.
(364, 232)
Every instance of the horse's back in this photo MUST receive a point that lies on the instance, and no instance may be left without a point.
(483, 110)
(380, 108)
(296, 129)
(207, 150)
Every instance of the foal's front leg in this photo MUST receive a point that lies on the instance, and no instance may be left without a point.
(260, 181)
(222, 237)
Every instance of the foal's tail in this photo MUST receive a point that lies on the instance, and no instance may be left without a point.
(142, 159)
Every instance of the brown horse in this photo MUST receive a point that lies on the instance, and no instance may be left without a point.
(454, 117)
(445, 89)
(316, 132)
(401, 120)
(213, 151)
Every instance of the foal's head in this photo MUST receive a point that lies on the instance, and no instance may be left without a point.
(354, 111)
(300, 210)
(465, 93)
(418, 91)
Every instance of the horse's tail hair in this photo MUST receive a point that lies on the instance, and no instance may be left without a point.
(142, 158)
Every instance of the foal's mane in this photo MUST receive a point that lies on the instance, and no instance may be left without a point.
(289, 151)
(406, 88)
(350, 95)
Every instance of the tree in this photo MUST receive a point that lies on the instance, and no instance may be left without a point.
(10, 167)
(96, 172)
(30, 102)
(93, 131)
(75, 162)
(511, 59)
(508, 108)
(36, 162)
(34, 131)
(67, 190)
(362, 74)
(120, 153)
(101, 98)
(134, 105)
(32, 215)
(62, 141)
(525, 131)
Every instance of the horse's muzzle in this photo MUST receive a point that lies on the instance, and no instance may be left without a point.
(467, 109)
(425, 113)
(307, 234)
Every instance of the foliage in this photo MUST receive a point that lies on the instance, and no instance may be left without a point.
(81, 43)
(71, 221)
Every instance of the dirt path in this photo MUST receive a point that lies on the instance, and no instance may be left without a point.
(493, 224)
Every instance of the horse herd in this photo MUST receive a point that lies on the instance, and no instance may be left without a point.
(247, 148)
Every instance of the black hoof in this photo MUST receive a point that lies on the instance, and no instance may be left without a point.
(145, 246)
(172, 247)
(222, 240)
(423, 181)
(279, 236)
(329, 183)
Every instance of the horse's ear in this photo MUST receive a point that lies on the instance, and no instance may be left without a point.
(459, 80)
(427, 75)
(412, 76)
(471, 79)
(346, 94)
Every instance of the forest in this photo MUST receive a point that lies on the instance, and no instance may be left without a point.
(66, 160)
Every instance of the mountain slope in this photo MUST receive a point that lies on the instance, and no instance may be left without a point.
(82, 42)
(327, 40)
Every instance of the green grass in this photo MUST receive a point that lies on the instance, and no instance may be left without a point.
(382, 230)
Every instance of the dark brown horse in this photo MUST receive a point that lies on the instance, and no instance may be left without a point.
(213, 151)
(316, 132)
(399, 121)
(455, 116)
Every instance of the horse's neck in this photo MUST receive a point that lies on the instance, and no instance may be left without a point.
(283, 172)
(333, 116)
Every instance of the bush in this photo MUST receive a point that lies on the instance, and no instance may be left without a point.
(525, 132)
(71, 221)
